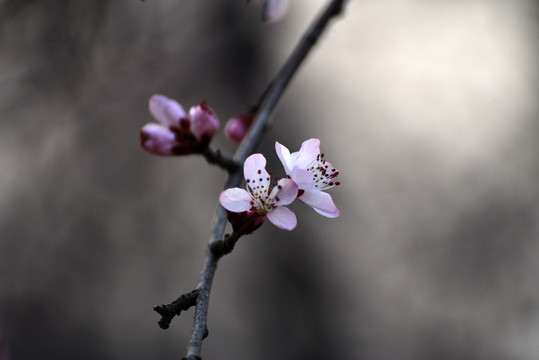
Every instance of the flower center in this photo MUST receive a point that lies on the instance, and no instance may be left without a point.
(263, 196)
(323, 173)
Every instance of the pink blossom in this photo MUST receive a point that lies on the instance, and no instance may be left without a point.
(236, 127)
(259, 197)
(175, 132)
(308, 169)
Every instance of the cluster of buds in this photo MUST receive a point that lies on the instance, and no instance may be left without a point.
(176, 132)
(179, 133)
(308, 175)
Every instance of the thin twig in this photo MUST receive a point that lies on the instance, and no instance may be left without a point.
(265, 106)
(168, 311)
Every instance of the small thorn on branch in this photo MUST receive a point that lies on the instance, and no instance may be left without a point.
(168, 311)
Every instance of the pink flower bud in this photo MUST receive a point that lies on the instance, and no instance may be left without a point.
(204, 122)
(236, 127)
(161, 140)
(166, 111)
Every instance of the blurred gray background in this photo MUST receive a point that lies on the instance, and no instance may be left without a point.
(429, 109)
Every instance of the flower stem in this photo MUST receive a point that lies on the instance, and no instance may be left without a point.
(215, 157)
(226, 245)
(264, 108)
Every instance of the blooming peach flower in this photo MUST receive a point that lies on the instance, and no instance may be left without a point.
(177, 133)
(259, 197)
(308, 169)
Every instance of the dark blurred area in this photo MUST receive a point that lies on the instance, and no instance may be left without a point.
(428, 109)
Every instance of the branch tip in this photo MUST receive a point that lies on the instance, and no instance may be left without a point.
(168, 311)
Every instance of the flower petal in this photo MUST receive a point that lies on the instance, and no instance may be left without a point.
(166, 111)
(284, 155)
(310, 149)
(235, 200)
(283, 218)
(287, 191)
(303, 178)
(321, 202)
(204, 122)
(157, 139)
(254, 170)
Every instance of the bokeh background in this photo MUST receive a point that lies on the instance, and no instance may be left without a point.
(429, 109)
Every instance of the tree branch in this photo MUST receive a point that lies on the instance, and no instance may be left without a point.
(263, 109)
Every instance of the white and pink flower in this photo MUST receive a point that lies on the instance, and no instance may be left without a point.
(312, 174)
(175, 132)
(260, 197)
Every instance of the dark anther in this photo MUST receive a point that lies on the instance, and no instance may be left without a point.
(168, 311)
